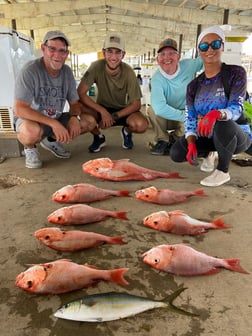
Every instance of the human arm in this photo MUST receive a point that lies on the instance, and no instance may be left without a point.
(159, 101)
(234, 81)
(129, 97)
(134, 106)
(237, 83)
(74, 125)
(24, 110)
(106, 118)
(191, 115)
(192, 154)
(121, 93)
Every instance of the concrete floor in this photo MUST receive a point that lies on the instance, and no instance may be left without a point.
(223, 301)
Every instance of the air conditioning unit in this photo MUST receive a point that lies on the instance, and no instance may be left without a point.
(6, 122)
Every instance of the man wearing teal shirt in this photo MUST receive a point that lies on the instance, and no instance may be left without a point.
(168, 95)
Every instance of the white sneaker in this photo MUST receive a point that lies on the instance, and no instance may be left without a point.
(32, 158)
(56, 148)
(216, 179)
(208, 163)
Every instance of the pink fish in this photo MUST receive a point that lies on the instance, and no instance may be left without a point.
(180, 223)
(166, 196)
(181, 259)
(73, 240)
(82, 214)
(85, 193)
(62, 276)
(122, 170)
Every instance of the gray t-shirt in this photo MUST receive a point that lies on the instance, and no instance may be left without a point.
(46, 94)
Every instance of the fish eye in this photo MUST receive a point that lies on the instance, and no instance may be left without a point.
(47, 237)
(155, 223)
(29, 284)
(59, 218)
(156, 261)
(63, 196)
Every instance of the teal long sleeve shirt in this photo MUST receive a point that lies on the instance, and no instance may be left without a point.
(168, 93)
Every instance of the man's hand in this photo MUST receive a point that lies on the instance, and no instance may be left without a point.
(74, 127)
(206, 124)
(191, 156)
(107, 120)
(60, 132)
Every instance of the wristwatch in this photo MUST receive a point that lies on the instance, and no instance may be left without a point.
(223, 115)
(75, 116)
(115, 116)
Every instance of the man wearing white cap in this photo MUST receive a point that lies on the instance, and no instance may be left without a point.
(168, 95)
(214, 117)
(119, 95)
(42, 89)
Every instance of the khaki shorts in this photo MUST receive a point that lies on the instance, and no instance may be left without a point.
(63, 119)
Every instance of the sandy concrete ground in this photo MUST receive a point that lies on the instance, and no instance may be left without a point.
(223, 301)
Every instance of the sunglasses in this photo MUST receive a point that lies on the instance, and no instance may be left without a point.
(168, 53)
(215, 45)
(54, 50)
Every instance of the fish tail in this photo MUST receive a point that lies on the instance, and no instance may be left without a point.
(234, 265)
(124, 193)
(174, 175)
(117, 276)
(219, 223)
(117, 240)
(174, 308)
(121, 215)
(199, 192)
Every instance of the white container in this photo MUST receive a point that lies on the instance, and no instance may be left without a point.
(15, 50)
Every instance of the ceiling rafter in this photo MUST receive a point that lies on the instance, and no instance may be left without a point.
(136, 17)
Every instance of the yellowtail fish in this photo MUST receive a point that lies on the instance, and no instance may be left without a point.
(114, 306)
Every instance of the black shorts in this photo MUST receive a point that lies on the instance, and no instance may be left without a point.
(121, 122)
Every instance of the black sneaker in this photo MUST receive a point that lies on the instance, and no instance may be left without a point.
(98, 143)
(161, 148)
(127, 140)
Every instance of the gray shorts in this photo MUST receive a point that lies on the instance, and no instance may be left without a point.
(63, 119)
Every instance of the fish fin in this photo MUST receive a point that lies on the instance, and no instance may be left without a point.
(117, 240)
(234, 265)
(176, 212)
(90, 266)
(117, 276)
(121, 215)
(175, 175)
(219, 223)
(124, 193)
(45, 264)
(174, 308)
(199, 192)
(212, 271)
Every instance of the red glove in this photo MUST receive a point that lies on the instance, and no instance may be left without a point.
(191, 156)
(206, 124)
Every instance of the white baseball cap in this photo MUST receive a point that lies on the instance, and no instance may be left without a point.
(212, 30)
